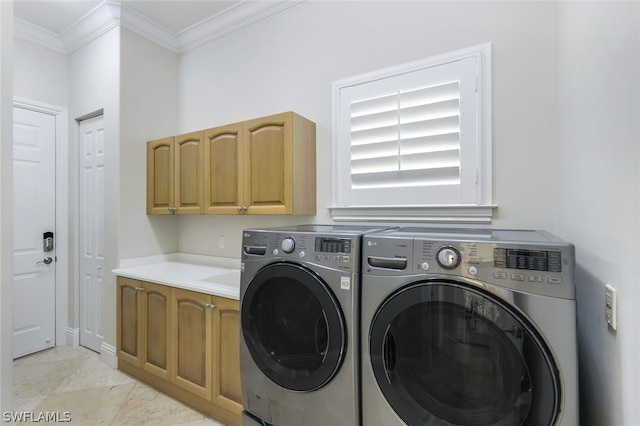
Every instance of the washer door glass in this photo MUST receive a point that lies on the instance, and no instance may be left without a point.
(448, 353)
(293, 327)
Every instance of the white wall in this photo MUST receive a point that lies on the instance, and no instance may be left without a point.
(149, 110)
(40, 74)
(565, 132)
(288, 61)
(597, 194)
(6, 209)
(95, 84)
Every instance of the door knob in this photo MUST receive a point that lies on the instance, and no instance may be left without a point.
(46, 261)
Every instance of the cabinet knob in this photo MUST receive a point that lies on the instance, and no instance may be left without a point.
(139, 289)
(241, 209)
(210, 306)
(173, 209)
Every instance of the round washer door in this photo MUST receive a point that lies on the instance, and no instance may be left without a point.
(448, 353)
(293, 327)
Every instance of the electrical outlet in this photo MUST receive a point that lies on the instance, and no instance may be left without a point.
(610, 307)
(221, 241)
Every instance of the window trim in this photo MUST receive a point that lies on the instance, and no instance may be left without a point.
(480, 212)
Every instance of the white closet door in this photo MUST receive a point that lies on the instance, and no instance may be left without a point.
(91, 231)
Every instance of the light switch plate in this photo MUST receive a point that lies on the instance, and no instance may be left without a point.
(610, 303)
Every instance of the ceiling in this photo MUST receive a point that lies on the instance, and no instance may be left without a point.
(179, 25)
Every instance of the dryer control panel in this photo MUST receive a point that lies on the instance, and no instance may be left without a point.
(535, 263)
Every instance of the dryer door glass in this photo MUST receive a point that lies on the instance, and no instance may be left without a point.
(293, 327)
(449, 353)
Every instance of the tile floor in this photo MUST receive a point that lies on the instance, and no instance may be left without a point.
(73, 380)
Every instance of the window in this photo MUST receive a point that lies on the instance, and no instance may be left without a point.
(414, 141)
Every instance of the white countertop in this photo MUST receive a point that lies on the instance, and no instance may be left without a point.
(205, 274)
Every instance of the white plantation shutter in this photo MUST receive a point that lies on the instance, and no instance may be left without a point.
(410, 136)
(407, 139)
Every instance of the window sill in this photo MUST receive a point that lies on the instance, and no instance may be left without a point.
(449, 214)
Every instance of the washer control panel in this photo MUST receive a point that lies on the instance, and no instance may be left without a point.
(333, 251)
(540, 267)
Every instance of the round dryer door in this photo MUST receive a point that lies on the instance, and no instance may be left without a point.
(293, 327)
(448, 353)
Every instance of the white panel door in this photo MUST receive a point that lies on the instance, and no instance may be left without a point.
(34, 203)
(91, 231)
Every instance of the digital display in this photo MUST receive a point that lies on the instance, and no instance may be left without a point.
(527, 253)
(332, 245)
(532, 260)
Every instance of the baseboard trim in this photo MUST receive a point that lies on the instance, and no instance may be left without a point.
(108, 355)
(72, 337)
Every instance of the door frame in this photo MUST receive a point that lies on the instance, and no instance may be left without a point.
(61, 116)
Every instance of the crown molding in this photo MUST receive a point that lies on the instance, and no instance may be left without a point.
(110, 14)
(230, 20)
(94, 24)
(145, 27)
(37, 35)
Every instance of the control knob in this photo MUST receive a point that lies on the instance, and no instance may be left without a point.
(448, 257)
(288, 244)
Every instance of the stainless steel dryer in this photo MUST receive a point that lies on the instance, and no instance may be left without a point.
(299, 345)
(468, 327)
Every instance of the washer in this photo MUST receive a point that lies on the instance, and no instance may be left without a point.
(468, 327)
(299, 345)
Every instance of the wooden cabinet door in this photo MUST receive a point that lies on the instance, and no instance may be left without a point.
(189, 176)
(267, 161)
(226, 355)
(192, 341)
(156, 326)
(280, 165)
(223, 177)
(129, 321)
(160, 179)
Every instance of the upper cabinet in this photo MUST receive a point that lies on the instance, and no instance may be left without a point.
(189, 192)
(160, 182)
(175, 177)
(224, 170)
(262, 166)
(280, 165)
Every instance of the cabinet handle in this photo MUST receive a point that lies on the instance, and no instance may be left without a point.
(139, 289)
(241, 209)
(173, 209)
(209, 306)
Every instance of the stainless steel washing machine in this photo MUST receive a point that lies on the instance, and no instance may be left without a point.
(299, 345)
(468, 327)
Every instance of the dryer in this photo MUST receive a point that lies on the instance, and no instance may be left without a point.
(468, 327)
(299, 312)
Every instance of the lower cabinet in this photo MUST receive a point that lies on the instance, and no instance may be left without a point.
(183, 342)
